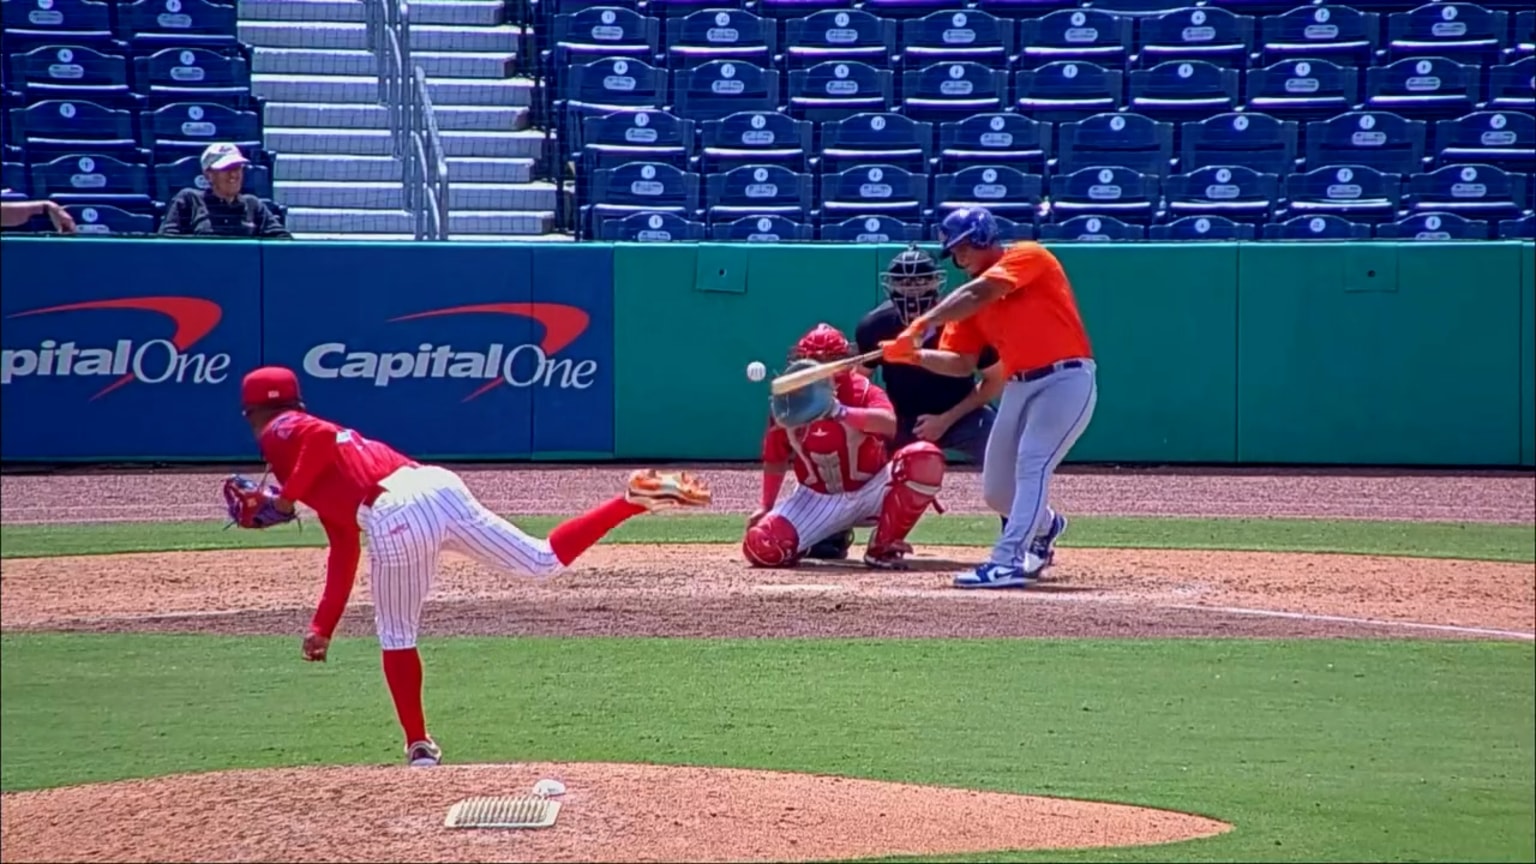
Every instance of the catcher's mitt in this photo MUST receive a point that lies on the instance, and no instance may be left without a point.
(252, 506)
(805, 405)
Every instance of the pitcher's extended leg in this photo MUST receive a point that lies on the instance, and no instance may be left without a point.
(402, 559)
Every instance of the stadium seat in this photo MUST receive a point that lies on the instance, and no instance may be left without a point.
(870, 139)
(1204, 228)
(1474, 191)
(784, 9)
(1137, 8)
(1003, 190)
(758, 190)
(1183, 90)
(30, 24)
(1083, 35)
(58, 126)
(1358, 192)
(761, 229)
(92, 179)
(1022, 8)
(72, 72)
(605, 86)
(187, 173)
(995, 139)
(838, 36)
(957, 35)
(1428, 87)
(1201, 33)
(1317, 228)
(636, 136)
(1524, 34)
(1008, 231)
(637, 187)
(1232, 191)
(1104, 191)
(1127, 140)
(1303, 89)
(1339, 34)
(650, 228)
(1380, 139)
(872, 229)
(150, 24)
(720, 88)
(832, 91)
(13, 178)
(907, 9)
(1511, 87)
(194, 75)
(602, 32)
(550, 9)
(1252, 140)
(186, 127)
(669, 9)
(1067, 90)
(953, 91)
(1523, 228)
(720, 34)
(1434, 226)
(101, 219)
(878, 190)
(754, 138)
(1093, 229)
(1503, 139)
(1462, 32)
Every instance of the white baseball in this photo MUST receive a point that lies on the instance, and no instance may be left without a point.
(756, 371)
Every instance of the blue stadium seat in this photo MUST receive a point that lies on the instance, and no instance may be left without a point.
(599, 32)
(1511, 87)
(1067, 90)
(194, 75)
(720, 88)
(183, 128)
(1003, 190)
(907, 9)
(1380, 139)
(1462, 32)
(1201, 33)
(669, 9)
(33, 23)
(755, 138)
(1137, 8)
(1232, 191)
(1085, 35)
(1127, 140)
(1323, 227)
(637, 187)
(1339, 34)
(605, 86)
(953, 91)
(1358, 192)
(650, 228)
(1098, 229)
(1303, 89)
(720, 34)
(873, 190)
(1252, 140)
(58, 126)
(1429, 87)
(870, 139)
(1183, 90)
(1204, 228)
(1474, 191)
(838, 35)
(1524, 34)
(872, 229)
(550, 9)
(995, 139)
(1523, 228)
(149, 24)
(1008, 231)
(784, 9)
(1022, 8)
(92, 179)
(99, 219)
(13, 178)
(1503, 139)
(761, 229)
(957, 35)
(187, 173)
(1434, 226)
(636, 136)
(71, 72)
(1105, 191)
(834, 90)
(758, 190)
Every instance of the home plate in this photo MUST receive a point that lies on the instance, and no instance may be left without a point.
(801, 588)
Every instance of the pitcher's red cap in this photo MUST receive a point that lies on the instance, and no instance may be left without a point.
(269, 385)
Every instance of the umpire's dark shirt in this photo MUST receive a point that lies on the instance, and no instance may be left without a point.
(914, 390)
(200, 212)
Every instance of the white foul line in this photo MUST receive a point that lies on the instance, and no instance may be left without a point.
(1344, 619)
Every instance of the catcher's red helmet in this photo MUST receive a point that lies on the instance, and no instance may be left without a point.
(823, 344)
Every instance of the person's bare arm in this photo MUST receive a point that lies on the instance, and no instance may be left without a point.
(965, 300)
(14, 213)
(988, 387)
(951, 363)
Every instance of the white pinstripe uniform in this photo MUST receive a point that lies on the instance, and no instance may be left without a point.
(817, 515)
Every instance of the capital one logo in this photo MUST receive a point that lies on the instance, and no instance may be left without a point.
(165, 360)
(527, 364)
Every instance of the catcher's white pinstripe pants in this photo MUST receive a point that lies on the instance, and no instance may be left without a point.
(817, 516)
(423, 510)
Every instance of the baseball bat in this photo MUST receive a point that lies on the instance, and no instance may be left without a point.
(811, 374)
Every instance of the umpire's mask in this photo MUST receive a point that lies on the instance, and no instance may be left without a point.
(913, 281)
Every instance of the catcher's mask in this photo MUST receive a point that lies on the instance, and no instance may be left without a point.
(824, 344)
(913, 280)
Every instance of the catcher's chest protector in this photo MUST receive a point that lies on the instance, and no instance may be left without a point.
(833, 458)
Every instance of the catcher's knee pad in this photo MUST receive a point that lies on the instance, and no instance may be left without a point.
(772, 542)
(917, 475)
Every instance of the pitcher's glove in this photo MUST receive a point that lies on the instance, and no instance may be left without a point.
(805, 405)
(251, 506)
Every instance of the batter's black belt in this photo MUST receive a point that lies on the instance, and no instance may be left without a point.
(1039, 372)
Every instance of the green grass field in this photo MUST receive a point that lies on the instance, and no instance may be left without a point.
(1315, 750)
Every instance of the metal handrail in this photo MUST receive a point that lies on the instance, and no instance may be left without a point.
(415, 141)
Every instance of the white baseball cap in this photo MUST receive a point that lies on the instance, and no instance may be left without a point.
(217, 157)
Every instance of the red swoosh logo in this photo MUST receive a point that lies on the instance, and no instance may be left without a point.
(562, 325)
(194, 318)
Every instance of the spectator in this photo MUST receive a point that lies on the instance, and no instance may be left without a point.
(14, 213)
(222, 209)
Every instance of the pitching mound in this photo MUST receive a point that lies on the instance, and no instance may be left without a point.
(608, 813)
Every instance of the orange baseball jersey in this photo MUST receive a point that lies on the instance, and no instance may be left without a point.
(830, 457)
(1035, 323)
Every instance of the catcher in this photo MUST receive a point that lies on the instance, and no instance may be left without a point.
(410, 512)
(834, 432)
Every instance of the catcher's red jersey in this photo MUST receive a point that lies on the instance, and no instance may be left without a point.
(831, 457)
(331, 469)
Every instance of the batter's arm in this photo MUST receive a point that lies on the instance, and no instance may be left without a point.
(988, 387)
(963, 302)
(951, 363)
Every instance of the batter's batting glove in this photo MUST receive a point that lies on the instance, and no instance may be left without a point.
(252, 506)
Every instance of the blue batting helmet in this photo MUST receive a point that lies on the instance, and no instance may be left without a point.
(973, 225)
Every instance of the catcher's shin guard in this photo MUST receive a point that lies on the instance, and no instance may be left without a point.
(834, 548)
(772, 542)
(917, 474)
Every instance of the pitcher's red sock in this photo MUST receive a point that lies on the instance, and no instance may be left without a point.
(402, 671)
(577, 534)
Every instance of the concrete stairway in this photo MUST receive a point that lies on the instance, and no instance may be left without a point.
(333, 169)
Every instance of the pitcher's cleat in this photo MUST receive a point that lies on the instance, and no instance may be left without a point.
(423, 754)
(657, 490)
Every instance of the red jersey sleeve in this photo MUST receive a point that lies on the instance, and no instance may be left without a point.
(340, 574)
(875, 397)
(316, 444)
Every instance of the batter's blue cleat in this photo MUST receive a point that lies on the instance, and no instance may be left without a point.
(1044, 546)
(991, 575)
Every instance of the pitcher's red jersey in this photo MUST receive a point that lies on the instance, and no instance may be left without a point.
(830, 457)
(331, 469)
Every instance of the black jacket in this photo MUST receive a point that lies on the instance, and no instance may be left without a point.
(200, 212)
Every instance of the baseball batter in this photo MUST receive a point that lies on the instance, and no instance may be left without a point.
(834, 433)
(1020, 302)
(409, 512)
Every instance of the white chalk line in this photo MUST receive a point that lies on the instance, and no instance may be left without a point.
(1345, 619)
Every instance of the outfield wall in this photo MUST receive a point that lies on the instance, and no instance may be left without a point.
(1370, 353)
